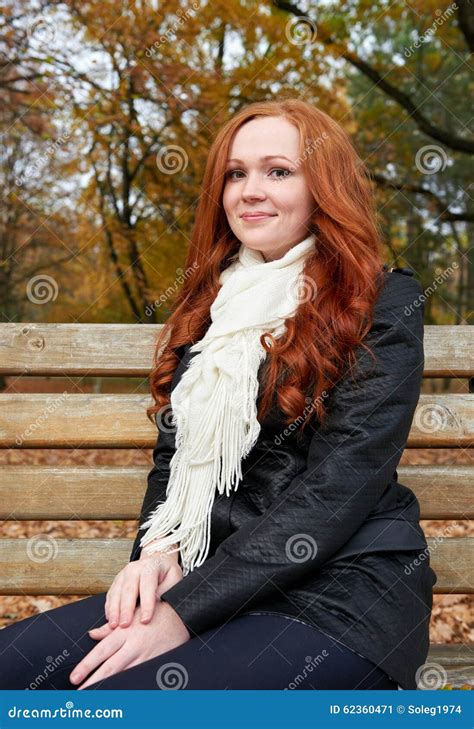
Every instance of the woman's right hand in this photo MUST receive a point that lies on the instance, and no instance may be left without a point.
(148, 578)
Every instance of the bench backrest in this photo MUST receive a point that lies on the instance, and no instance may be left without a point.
(41, 565)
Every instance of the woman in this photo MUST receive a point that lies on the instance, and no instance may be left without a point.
(276, 547)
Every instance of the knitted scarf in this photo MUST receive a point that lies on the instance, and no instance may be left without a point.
(214, 403)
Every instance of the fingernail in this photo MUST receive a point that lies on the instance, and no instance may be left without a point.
(145, 616)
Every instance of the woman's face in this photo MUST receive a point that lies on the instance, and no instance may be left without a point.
(275, 186)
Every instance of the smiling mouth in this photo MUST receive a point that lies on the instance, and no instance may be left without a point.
(257, 217)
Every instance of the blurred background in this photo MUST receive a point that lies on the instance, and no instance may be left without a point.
(107, 113)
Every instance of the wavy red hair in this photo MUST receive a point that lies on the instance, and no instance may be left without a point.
(321, 338)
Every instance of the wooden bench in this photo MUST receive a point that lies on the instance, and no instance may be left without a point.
(77, 566)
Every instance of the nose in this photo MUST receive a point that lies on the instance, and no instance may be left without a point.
(252, 188)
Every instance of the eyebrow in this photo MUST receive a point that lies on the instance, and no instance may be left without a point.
(267, 157)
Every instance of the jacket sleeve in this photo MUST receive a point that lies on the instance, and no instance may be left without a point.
(156, 484)
(350, 463)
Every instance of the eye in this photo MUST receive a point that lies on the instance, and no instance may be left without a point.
(281, 169)
(229, 173)
(287, 172)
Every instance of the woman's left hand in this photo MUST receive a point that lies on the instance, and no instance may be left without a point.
(121, 648)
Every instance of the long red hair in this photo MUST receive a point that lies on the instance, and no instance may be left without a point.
(303, 365)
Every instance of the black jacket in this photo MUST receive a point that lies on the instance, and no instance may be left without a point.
(305, 510)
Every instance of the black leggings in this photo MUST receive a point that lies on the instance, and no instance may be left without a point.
(259, 651)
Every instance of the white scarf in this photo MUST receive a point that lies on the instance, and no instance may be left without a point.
(214, 403)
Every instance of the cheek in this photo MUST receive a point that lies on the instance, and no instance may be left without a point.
(296, 202)
(229, 199)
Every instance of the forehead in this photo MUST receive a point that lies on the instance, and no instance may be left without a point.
(265, 137)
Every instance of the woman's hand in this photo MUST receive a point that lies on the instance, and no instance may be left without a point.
(123, 648)
(149, 577)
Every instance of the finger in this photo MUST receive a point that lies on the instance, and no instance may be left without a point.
(100, 632)
(119, 662)
(100, 653)
(128, 599)
(148, 597)
(107, 597)
(114, 601)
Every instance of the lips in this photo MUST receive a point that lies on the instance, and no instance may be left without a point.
(256, 216)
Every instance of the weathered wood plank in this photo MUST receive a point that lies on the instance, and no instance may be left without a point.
(127, 349)
(77, 349)
(444, 491)
(116, 492)
(66, 420)
(42, 565)
(77, 492)
(457, 661)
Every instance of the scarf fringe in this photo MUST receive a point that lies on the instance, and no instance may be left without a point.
(214, 404)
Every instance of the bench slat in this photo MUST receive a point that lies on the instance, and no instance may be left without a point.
(127, 349)
(456, 659)
(116, 492)
(43, 565)
(65, 420)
